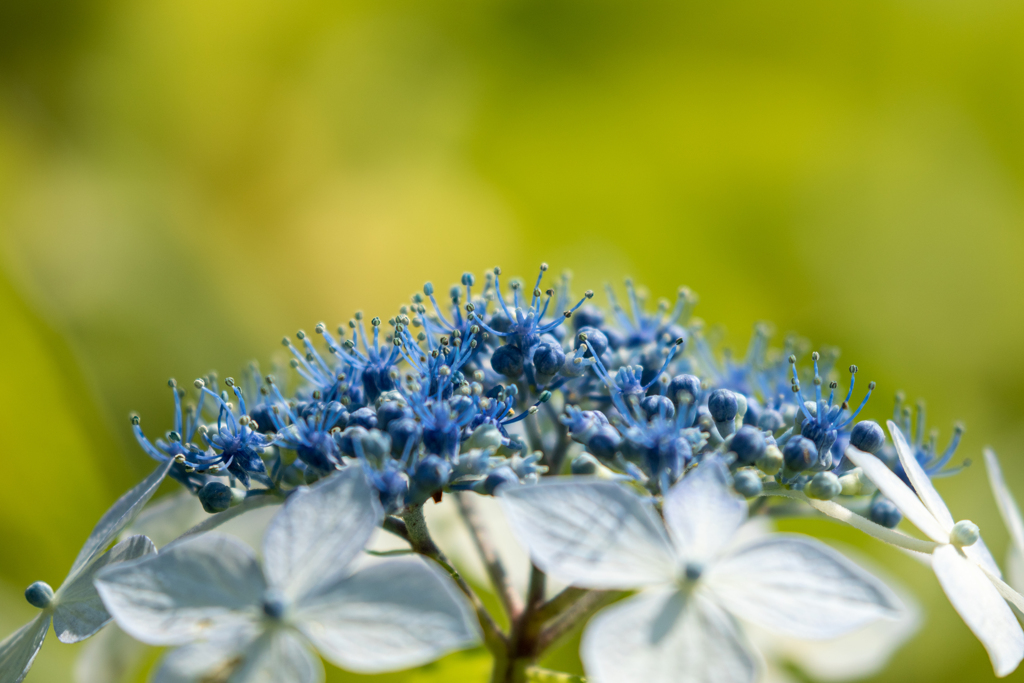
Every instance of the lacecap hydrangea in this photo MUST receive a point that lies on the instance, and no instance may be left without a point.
(627, 451)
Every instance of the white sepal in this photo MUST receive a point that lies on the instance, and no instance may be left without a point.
(919, 478)
(589, 532)
(665, 636)
(981, 607)
(389, 615)
(279, 656)
(312, 541)
(79, 612)
(120, 515)
(701, 514)
(799, 587)
(893, 488)
(19, 650)
(199, 588)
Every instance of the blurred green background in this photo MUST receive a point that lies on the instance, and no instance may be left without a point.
(183, 182)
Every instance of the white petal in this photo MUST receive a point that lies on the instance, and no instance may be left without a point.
(168, 517)
(390, 615)
(1015, 568)
(981, 555)
(79, 611)
(660, 636)
(276, 656)
(800, 587)
(899, 493)
(701, 514)
(981, 607)
(118, 517)
(591, 533)
(279, 656)
(19, 649)
(203, 661)
(312, 541)
(859, 654)
(919, 478)
(111, 656)
(188, 591)
(1004, 499)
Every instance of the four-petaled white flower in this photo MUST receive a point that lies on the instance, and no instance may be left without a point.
(245, 622)
(1011, 517)
(75, 609)
(680, 627)
(965, 568)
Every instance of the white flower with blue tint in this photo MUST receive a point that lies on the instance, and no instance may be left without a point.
(252, 621)
(74, 608)
(694, 582)
(1011, 517)
(965, 568)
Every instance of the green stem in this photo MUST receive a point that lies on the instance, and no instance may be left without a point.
(421, 542)
(510, 600)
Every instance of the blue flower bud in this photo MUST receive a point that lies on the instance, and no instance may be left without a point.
(748, 444)
(885, 513)
(684, 388)
(604, 442)
(402, 431)
(800, 454)
(499, 322)
(823, 486)
(867, 436)
(346, 440)
(507, 360)
(548, 358)
(596, 341)
(722, 405)
(771, 420)
(585, 464)
(39, 594)
(376, 444)
(389, 412)
(431, 473)
(502, 475)
(587, 316)
(215, 496)
(747, 483)
(364, 417)
(658, 405)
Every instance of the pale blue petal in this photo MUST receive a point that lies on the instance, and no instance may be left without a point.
(590, 533)
(79, 612)
(666, 636)
(702, 515)
(19, 650)
(190, 590)
(389, 615)
(312, 541)
(118, 517)
(798, 586)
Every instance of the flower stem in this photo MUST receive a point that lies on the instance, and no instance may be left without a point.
(419, 538)
(511, 601)
(836, 511)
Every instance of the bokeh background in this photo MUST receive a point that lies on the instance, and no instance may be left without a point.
(183, 182)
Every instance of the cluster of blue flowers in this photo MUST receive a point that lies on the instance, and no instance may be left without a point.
(667, 444)
(502, 384)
